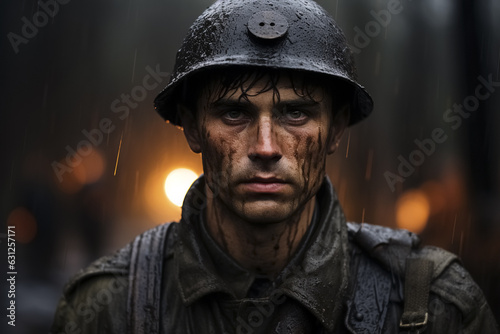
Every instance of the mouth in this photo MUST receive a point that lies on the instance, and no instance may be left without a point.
(262, 179)
(264, 185)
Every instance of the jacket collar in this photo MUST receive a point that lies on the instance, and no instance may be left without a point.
(319, 278)
(316, 276)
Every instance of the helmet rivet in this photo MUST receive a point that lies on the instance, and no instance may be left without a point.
(268, 25)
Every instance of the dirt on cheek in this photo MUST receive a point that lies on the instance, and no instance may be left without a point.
(212, 156)
(321, 151)
(300, 161)
(306, 164)
(311, 163)
(216, 155)
(216, 169)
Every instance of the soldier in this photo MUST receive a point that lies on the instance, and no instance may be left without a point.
(264, 90)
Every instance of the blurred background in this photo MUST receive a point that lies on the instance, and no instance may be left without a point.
(85, 158)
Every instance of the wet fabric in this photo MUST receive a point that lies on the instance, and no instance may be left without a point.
(206, 291)
(307, 287)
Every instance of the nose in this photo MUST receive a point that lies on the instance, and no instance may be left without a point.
(264, 145)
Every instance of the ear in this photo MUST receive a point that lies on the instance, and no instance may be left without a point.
(339, 124)
(190, 128)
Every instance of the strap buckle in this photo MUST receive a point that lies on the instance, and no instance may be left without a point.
(414, 324)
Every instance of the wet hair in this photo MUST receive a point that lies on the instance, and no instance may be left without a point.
(244, 78)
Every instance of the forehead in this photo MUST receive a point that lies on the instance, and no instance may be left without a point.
(246, 85)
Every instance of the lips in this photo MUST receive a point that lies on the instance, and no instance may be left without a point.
(265, 185)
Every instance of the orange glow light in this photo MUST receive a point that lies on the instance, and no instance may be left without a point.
(89, 170)
(177, 184)
(25, 225)
(412, 211)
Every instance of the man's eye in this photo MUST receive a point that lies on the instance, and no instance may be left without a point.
(233, 114)
(234, 117)
(295, 114)
(295, 117)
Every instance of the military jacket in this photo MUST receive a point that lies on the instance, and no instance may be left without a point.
(343, 278)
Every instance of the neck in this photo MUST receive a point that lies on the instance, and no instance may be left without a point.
(264, 248)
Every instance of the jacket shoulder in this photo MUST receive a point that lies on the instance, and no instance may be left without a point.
(450, 283)
(97, 296)
(456, 286)
(116, 264)
(391, 247)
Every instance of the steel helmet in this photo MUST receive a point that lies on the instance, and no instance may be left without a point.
(282, 34)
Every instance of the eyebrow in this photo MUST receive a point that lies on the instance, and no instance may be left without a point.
(230, 102)
(233, 102)
(299, 103)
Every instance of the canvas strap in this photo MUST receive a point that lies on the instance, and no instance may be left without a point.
(418, 278)
(146, 265)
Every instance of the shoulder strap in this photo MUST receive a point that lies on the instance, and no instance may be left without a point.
(418, 276)
(370, 293)
(398, 252)
(372, 281)
(422, 268)
(146, 262)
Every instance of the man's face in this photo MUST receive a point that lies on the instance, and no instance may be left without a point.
(264, 153)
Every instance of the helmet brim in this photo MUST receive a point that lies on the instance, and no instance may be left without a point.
(361, 104)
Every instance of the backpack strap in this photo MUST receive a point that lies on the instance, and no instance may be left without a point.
(145, 275)
(399, 253)
(418, 276)
(370, 293)
(372, 282)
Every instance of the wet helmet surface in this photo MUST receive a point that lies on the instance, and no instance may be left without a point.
(281, 34)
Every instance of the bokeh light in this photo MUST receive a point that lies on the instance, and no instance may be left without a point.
(25, 225)
(177, 184)
(436, 193)
(89, 169)
(412, 211)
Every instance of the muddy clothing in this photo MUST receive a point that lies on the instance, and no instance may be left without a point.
(343, 278)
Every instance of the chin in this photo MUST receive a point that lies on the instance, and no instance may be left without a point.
(265, 212)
